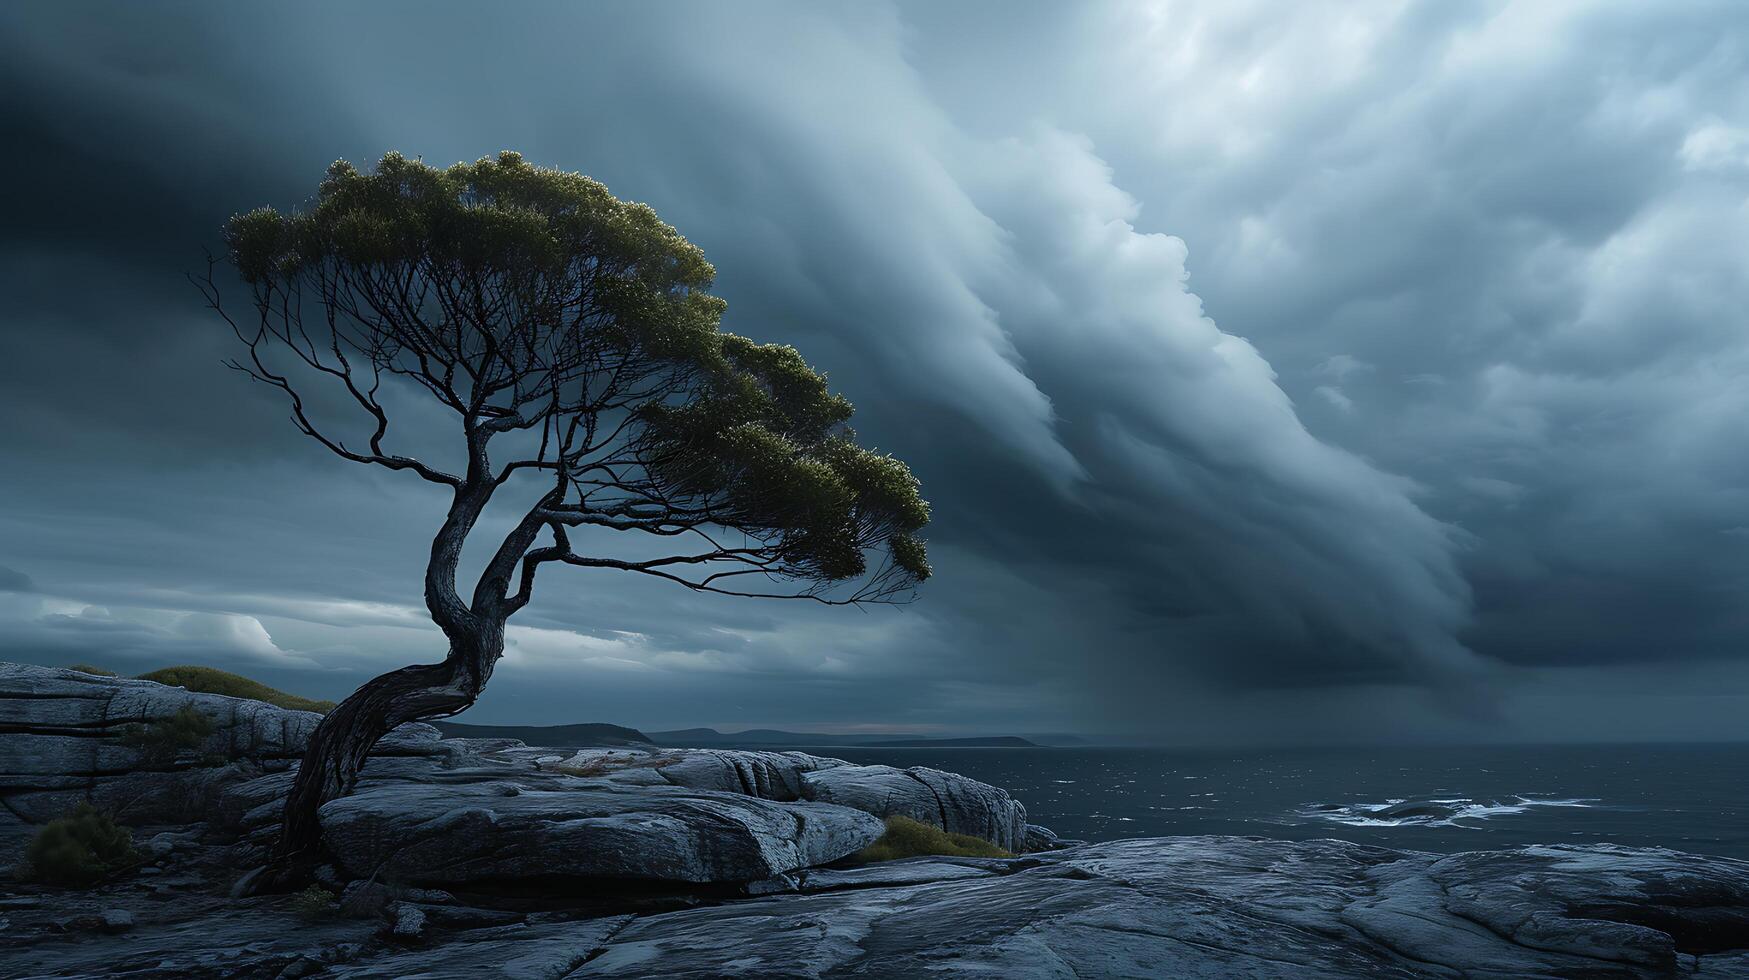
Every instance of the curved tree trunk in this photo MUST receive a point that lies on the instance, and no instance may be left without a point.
(341, 743)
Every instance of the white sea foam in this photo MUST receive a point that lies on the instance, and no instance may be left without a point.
(1460, 812)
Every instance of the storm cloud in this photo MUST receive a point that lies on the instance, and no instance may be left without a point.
(1274, 371)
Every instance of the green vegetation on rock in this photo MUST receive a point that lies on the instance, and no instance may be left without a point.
(81, 848)
(88, 669)
(314, 904)
(162, 738)
(906, 837)
(207, 680)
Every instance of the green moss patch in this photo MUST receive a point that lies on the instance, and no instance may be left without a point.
(911, 838)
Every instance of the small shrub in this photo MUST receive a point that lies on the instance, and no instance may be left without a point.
(313, 904)
(88, 669)
(162, 738)
(81, 848)
(910, 838)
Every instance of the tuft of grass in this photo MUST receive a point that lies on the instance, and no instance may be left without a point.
(906, 837)
(88, 669)
(208, 680)
(82, 848)
(314, 904)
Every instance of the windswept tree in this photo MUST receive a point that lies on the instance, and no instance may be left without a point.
(570, 340)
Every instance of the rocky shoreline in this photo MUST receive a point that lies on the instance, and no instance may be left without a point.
(487, 857)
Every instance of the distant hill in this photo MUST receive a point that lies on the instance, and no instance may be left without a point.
(992, 742)
(1058, 739)
(711, 738)
(588, 735)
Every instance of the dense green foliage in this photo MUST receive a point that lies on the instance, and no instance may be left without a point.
(314, 904)
(906, 837)
(520, 295)
(81, 848)
(208, 680)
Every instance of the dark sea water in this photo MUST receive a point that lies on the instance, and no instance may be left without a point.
(1687, 797)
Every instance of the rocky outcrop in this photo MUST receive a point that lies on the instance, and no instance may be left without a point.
(767, 775)
(947, 800)
(1172, 907)
(592, 864)
(466, 811)
(496, 829)
(1045, 839)
(72, 722)
(68, 737)
(1223, 907)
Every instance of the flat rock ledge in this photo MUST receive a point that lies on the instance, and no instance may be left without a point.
(447, 834)
(1165, 907)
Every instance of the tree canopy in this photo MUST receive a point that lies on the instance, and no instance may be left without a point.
(531, 300)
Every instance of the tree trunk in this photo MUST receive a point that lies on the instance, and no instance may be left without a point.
(340, 744)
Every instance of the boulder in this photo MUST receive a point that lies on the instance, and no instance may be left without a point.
(947, 800)
(480, 831)
(1045, 839)
(767, 775)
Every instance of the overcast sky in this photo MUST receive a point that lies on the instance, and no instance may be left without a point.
(1277, 372)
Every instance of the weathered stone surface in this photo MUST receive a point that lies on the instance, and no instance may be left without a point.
(948, 800)
(911, 871)
(1045, 839)
(767, 775)
(530, 952)
(1178, 907)
(64, 739)
(68, 722)
(433, 833)
(1227, 907)
(472, 813)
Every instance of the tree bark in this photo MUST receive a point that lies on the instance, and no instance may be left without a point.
(341, 743)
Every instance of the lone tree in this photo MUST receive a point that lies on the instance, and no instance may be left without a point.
(570, 337)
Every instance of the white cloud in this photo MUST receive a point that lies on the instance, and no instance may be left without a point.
(1335, 397)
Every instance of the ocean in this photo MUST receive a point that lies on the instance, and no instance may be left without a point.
(1685, 797)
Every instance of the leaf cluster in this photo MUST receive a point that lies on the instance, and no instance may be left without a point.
(530, 299)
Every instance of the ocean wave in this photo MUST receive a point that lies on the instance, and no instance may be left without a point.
(1440, 812)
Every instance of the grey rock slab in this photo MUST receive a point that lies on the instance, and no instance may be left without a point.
(443, 834)
(767, 775)
(1045, 839)
(532, 952)
(1228, 907)
(64, 740)
(911, 871)
(204, 940)
(947, 800)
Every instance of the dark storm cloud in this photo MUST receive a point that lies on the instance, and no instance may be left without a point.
(1454, 399)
